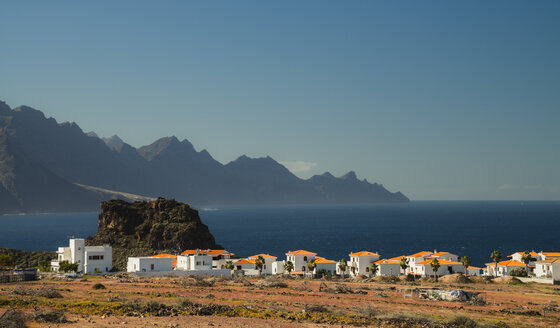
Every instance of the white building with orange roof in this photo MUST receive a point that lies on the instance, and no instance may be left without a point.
(518, 256)
(219, 256)
(446, 267)
(504, 267)
(474, 271)
(149, 264)
(249, 267)
(299, 259)
(389, 267)
(171, 256)
(360, 262)
(199, 261)
(549, 255)
(548, 268)
(324, 264)
(415, 258)
(443, 256)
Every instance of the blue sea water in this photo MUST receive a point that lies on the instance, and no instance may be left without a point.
(474, 229)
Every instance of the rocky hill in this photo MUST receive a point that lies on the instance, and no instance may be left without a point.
(145, 228)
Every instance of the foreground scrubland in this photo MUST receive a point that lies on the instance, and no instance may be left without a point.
(123, 300)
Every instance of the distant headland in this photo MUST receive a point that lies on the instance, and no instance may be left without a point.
(46, 166)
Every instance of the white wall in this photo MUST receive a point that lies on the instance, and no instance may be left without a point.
(149, 264)
(300, 261)
(555, 271)
(77, 250)
(327, 266)
(389, 269)
(278, 267)
(98, 257)
(442, 271)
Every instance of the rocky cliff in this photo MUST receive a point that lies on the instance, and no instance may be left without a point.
(146, 228)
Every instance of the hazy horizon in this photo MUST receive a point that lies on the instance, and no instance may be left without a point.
(438, 100)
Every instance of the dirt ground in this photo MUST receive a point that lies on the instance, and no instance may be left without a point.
(127, 301)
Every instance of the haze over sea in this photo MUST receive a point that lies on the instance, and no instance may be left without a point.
(463, 227)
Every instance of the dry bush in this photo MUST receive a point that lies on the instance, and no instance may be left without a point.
(271, 284)
(315, 308)
(12, 319)
(98, 286)
(50, 316)
(47, 292)
(456, 278)
(463, 322)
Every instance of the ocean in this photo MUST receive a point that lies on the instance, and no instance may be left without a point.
(468, 228)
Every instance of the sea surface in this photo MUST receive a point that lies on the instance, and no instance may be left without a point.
(474, 229)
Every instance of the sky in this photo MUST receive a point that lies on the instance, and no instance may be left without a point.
(441, 100)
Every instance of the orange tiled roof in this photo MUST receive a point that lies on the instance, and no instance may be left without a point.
(264, 256)
(212, 252)
(508, 263)
(398, 258)
(420, 254)
(166, 255)
(249, 261)
(319, 259)
(551, 254)
(441, 262)
(473, 267)
(388, 261)
(364, 253)
(521, 253)
(436, 255)
(300, 252)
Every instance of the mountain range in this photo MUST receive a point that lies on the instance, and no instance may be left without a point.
(46, 166)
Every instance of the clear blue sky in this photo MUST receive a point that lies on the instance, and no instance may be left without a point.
(439, 99)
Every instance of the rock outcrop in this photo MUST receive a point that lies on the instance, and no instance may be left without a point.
(146, 228)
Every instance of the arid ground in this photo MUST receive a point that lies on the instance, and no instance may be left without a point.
(127, 301)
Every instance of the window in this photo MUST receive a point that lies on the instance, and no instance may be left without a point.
(303, 268)
(152, 267)
(367, 269)
(95, 257)
(305, 258)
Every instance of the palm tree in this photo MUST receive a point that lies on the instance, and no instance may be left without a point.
(289, 266)
(496, 257)
(342, 265)
(229, 265)
(526, 258)
(373, 268)
(311, 265)
(259, 264)
(466, 263)
(434, 263)
(404, 264)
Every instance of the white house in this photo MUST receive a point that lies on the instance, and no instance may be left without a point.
(249, 268)
(278, 267)
(389, 267)
(322, 263)
(194, 262)
(416, 258)
(473, 271)
(504, 267)
(424, 268)
(544, 268)
(219, 256)
(360, 262)
(518, 256)
(90, 259)
(149, 264)
(549, 255)
(299, 259)
(443, 256)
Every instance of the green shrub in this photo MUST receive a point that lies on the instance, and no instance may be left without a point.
(98, 286)
(66, 266)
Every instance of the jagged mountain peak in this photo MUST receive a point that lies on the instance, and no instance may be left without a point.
(349, 176)
(113, 142)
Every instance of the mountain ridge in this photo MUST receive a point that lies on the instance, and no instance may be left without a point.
(33, 145)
